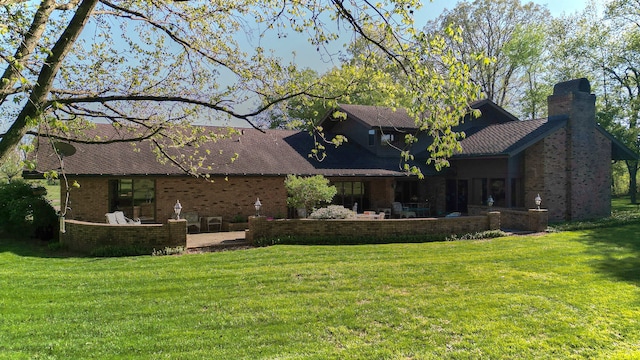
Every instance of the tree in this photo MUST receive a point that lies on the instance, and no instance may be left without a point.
(306, 193)
(508, 33)
(12, 167)
(365, 77)
(151, 68)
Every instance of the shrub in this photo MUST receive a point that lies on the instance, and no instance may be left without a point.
(25, 211)
(308, 192)
(238, 219)
(333, 212)
(118, 251)
(178, 250)
(489, 234)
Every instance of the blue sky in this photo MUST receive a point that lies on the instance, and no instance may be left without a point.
(557, 7)
(307, 56)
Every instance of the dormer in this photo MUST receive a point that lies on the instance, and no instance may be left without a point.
(382, 131)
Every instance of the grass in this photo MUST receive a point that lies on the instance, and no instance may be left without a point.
(558, 296)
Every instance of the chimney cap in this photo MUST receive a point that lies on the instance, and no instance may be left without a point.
(575, 85)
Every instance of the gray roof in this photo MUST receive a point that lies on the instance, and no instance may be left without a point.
(272, 152)
(507, 139)
(511, 138)
(379, 116)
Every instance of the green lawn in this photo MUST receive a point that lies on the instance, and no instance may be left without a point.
(559, 296)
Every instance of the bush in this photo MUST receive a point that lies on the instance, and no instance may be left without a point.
(25, 211)
(178, 250)
(333, 212)
(308, 192)
(118, 251)
(489, 234)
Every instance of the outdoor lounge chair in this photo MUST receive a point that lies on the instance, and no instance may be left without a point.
(192, 220)
(111, 218)
(123, 220)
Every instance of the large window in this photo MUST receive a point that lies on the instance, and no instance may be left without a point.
(351, 192)
(135, 197)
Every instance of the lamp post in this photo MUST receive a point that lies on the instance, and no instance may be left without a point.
(538, 201)
(490, 201)
(177, 208)
(257, 205)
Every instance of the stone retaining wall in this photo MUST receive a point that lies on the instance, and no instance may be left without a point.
(85, 237)
(260, 227)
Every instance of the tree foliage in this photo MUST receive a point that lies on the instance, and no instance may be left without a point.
(308, 192)
(26, 212)
(508, 33)
(11, 168)
(151, 68)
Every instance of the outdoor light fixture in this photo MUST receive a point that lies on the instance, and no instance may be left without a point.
(538, 201)
(257, 205)
(177, 208)
(490, 200)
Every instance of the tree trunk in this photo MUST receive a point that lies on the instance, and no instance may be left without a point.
(632, 167)
(35, 107)
(26, 48)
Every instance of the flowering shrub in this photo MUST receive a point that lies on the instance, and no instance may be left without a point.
(333, 212)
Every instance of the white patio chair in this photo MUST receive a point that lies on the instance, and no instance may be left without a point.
(123, 220)
(111, 218)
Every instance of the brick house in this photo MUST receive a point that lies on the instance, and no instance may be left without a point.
(566, 158)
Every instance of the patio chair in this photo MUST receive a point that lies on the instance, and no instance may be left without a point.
(111, 218)
(402, 212)
(192, 220)
(123, 220)
(214, 222)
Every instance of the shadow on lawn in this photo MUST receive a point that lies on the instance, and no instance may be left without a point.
(618, 249)
(33, 248)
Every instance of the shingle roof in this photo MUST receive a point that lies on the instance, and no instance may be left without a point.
(272, 152)
(378, 116)
(509, 138)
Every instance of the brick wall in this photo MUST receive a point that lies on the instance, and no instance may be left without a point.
(511, 219)
(89, 201)
(220, 197)
(85, 236)
(226, 198)
(260, 227)
(556, 179)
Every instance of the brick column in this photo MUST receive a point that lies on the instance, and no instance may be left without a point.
(177, 232)
(538, 220)
(494, 220)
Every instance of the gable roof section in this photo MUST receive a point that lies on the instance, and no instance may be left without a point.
(619, 151)
(387, 119)
(272, 152)
(508, 139)
(378, 116)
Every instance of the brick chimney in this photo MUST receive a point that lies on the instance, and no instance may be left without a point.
(579, 187)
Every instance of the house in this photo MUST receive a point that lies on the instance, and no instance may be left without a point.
(566, 158)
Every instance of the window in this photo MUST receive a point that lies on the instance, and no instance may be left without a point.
(135, 197)
(351, 192)
(372, 137)
(386, 139)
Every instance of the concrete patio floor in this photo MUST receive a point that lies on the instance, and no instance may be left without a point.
(216, 240)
